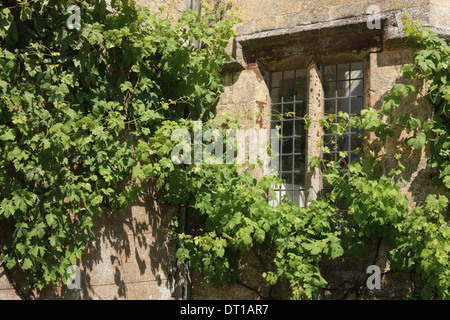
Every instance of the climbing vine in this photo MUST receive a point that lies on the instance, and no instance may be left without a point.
(88, 115)
(419, 240)
(236, 217)
(82, 115)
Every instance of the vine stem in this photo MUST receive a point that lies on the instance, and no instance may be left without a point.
(1, 262)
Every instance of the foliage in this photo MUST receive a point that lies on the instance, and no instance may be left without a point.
(238, 217)
(423, 244)
(233, 215)
(79, 112)
(419, 240)
(88, 115)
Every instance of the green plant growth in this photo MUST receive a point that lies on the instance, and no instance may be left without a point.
(419, 240)
(375, 208)
(87, 116)
(83, 112)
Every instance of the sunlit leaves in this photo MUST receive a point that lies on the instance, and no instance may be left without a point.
(78, 112)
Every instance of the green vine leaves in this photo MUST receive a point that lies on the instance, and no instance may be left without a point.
(87, 115)
(83, 113)
(419, 240)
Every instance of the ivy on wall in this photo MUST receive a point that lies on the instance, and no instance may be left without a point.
(85, 111)
(87, 115)
(419, 241)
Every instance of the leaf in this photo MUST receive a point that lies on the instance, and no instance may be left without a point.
(8, 136)
(220, 252)
(244, 235)
(96, 200)
(312, 247)
(26, 13)
(259, 235)
(40, 228)
(10, 263)
(50, 219)
(418, 141)
(27, 264)
(20, 247)
(388, 107)
(126, 86)
(336, 250)
(46, 144)
(266, 226)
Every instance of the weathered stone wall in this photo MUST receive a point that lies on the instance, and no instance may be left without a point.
(275, 15)
(284, 35)
(131, 257)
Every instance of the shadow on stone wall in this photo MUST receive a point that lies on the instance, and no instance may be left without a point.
(347, 276)
(416, 173)
(130, 258)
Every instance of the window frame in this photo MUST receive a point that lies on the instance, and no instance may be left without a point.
(315, 102)
(301, 136)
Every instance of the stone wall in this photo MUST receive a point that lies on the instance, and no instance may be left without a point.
(284, 35)
(275, 15)
(131, 257)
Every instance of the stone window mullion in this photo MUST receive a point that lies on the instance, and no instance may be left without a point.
(314, 136)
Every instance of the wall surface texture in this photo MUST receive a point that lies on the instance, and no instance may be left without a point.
(286, 35)
(131, 257)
